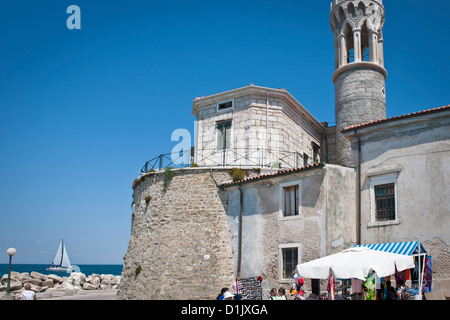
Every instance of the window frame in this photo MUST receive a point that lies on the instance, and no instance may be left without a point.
(225, 109)
(230, 137)
(281, 266)
(380, 180)
(281, 200)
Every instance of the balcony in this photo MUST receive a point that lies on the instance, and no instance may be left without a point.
(250, 158)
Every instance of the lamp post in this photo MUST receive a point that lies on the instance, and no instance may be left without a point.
(10, 252)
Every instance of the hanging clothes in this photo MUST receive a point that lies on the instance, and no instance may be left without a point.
(428, 274)
(331, 287)
(400, 275)
(371, 287)
(356, 285)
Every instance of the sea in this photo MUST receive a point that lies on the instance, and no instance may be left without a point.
(87, 269)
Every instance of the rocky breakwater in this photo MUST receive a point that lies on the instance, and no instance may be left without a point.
(52, 283)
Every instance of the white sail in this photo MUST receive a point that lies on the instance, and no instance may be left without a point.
(61, 258)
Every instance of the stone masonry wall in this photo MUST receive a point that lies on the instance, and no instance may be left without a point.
(289, 131)
(360, 97)
(179, 237)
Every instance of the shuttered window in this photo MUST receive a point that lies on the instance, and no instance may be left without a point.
(290, 201)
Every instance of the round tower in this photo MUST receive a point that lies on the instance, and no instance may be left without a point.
(359, 61)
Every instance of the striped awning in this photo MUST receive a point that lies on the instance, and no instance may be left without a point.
(405, 248)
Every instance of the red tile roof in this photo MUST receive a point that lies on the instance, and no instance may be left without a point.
(279, 173)
(410, 115)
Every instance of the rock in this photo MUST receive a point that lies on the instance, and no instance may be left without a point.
(89, 286)
(55, 278)
(94, 279)
(16, 285)
(37, 275)
(24, 277)
(48, 283)
(66, 285)
(108, 279)
(36, 288)
(106, 286)
(77, 279)
(117, 279)
(5, 279)
(37, 282)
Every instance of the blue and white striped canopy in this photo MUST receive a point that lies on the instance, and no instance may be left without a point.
(405, 248)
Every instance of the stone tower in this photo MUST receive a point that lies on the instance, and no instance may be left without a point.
(359, 62)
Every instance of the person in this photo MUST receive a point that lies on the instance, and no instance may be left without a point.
(292, 290)
(273, 294)
(401, 291)
(227, 296)
(390, 292)
(27, 294)
(299, 284)
(282, 293)
(301, 295)
(220, 296)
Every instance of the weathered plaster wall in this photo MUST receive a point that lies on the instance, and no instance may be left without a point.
(325, 224)
(420, 154)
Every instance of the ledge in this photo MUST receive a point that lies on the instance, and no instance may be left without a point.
(362, 64)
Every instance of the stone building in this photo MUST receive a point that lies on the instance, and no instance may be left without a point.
(255, 126)
(306, 190)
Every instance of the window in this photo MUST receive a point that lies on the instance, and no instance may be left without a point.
(290, 201)
(385, 202)
(290, 261)
(225, 105)
(316, 153)
(383, 199)
(223, 135)
(305, 159)
(289, 256)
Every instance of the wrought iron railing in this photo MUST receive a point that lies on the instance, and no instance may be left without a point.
(249, 157)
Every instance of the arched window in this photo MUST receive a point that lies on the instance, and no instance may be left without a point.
(365, 42)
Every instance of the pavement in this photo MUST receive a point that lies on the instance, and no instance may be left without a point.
(81, 295)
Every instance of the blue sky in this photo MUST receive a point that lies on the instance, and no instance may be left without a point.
(82, 110)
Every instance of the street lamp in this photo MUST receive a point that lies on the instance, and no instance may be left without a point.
(10, 252)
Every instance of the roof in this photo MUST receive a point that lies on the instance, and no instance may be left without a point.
(406, 116)
(279, 173)
(254, 89)
(405, 248)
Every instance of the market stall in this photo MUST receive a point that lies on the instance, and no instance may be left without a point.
(361, 263)
(421, 275)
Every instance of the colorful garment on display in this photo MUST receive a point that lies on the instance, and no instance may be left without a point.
(331, 288)
(356, 285)
(428, 273)
(371, 289)
(400, 275)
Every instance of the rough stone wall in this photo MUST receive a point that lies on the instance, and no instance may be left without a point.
(360, 97)
(179, 238)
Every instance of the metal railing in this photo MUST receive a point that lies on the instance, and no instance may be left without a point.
(249, 157)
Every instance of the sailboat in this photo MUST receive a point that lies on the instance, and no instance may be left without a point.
(61, 262)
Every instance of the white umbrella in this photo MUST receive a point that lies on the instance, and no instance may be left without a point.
(355, 263)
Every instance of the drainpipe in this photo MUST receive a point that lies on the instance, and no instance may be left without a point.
(241, 213)
(267, 127)
(358, 188)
